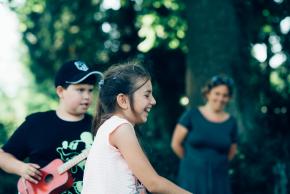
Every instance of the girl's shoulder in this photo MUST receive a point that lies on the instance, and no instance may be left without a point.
(114, 122)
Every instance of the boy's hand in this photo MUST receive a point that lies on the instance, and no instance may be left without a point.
(30, 172)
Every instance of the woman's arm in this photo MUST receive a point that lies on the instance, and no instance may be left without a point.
(232, 151)
(12, 165)
(179, 135)
(124, 139)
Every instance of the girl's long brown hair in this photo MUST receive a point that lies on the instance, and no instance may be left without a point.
(120, 78)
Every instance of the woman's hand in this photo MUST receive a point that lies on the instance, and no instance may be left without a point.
(180, 132)
(232, 151)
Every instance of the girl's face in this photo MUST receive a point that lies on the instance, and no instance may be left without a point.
(143, 102)
(218, 97)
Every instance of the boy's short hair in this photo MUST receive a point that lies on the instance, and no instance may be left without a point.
(76, 72)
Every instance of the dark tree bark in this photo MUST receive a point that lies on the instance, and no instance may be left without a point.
(218, 45)
(213, 42)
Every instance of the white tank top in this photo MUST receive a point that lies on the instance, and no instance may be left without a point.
(106, 171)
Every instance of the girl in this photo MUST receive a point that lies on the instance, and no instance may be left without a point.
(116, 162)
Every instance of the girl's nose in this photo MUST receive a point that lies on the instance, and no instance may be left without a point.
(153, 101)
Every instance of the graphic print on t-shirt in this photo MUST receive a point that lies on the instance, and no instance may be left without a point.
(72, 149)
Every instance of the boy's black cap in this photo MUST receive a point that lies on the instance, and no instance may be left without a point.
(74, 72)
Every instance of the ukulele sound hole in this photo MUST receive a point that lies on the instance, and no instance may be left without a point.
(48, 178)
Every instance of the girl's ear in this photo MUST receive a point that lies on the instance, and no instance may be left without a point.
(123, 101)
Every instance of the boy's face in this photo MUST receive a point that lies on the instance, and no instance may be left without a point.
(76, 98)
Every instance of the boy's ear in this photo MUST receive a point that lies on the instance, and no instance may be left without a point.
(122, 101)
(59, 91)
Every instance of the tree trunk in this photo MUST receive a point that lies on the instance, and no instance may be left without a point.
(213, 43)
(217, 45)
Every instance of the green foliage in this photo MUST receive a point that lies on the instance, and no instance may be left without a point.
(154, 32)
(54, 33)
(161, 24)
(101, 37)
(3, 134)
(7, 183)
(266, 143)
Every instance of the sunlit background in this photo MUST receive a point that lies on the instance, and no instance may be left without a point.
(12, 78)
(158, 29)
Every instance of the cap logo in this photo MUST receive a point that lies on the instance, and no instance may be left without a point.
(81, 66)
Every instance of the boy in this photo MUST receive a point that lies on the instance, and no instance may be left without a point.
(62, 133)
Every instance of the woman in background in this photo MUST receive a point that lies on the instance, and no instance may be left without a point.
(205, 139)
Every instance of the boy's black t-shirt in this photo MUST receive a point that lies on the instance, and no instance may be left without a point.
(43, 137)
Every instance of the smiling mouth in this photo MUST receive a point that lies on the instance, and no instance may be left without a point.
(147, 110)
(85, 104)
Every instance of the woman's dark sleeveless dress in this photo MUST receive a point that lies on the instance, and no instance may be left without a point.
(204, 168)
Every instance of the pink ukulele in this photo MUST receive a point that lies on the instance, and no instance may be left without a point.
(55, 177)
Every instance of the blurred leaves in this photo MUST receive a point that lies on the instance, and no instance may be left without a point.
(173, 39)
